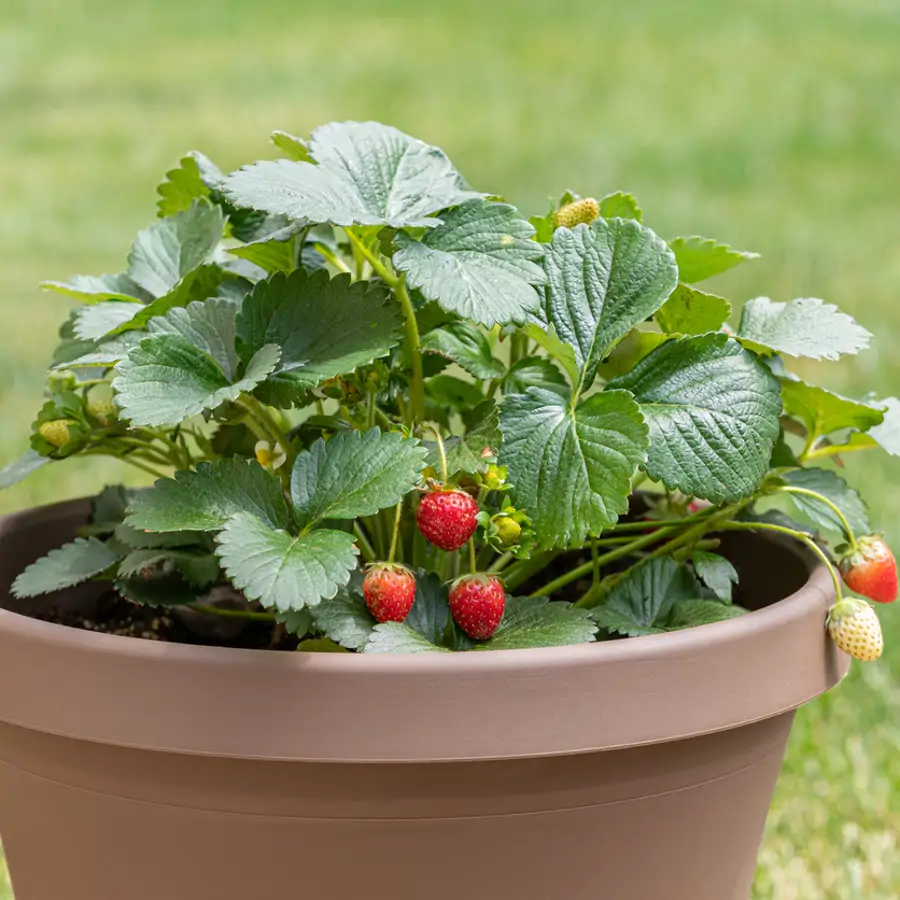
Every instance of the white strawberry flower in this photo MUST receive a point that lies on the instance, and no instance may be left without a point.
(269, 457)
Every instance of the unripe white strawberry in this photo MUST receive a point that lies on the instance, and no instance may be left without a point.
(572, 214)
(100, 404)
(854, 627)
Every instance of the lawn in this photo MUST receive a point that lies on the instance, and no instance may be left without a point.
(771, 125)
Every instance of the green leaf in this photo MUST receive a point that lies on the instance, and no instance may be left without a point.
(689, 311)
(690, 613)
(163, 254)
(320, 645)
(192, 180)
(209, 325)
(354, 474)
(71, 564)
(138, 539)
(480, 263)
(629, 352)
(198, 568)
(367, 174)
(831, 486)
(206, 499)
(604, 279)
(621, 205)
(93, 322)
(297, 622)
(324, 326)
(293, 147)
(887, 434)
(398, 637)
(545, 336)
(713, 410)
(430, 614)
(282, 571)
(464, 453)
(169, 591)
(21, 468)
(533, 371)
(444, 392)
(467, 346)
(275, 255)
(823, 412)
(700, 258)
(805, 327)
(641, 602)
(345, 618)
(536, 622)
(571, 469)
(716, 573)
(100, 288)
(166, 380)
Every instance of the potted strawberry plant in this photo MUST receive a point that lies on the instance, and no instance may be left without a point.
(394, 425)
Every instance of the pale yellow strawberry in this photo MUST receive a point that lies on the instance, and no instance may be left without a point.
(99, 403)
(56, 432)
(581, 211)
(854, 627)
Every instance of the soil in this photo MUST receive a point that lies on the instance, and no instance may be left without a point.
(114, 615)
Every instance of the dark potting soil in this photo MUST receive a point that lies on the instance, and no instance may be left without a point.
(114, 615)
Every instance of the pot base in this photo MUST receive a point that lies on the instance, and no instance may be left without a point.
(675, 820)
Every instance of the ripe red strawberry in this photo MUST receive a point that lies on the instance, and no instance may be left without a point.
(476, 604)
(447, 518)
(390, 590)
(871, 570)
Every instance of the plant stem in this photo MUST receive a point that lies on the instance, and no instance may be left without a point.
(332, 257)
(797, 535)
(605, 559)
(805, 492)
(397, 514)
(382, 419)
(417, 387)
(232, 613)
(264, 418)
(440, 443)
(365, 545)
(473, 560)
(500, 563)
(595, 560)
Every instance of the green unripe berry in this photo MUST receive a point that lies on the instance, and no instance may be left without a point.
(56, 432)
(508, 531)
(59, 382)
(100, 404)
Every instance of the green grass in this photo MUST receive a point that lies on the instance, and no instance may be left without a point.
(770, 124)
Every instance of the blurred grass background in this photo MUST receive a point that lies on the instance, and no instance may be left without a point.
(772, 125)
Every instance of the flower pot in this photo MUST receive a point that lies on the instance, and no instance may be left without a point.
(634, 770)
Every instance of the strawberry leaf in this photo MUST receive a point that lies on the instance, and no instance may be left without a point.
(689, 311)
(467, 346)
(100, 288)
(642, 601)
(806, 327)
(480, 263)
(691, 613)
(716, 573)
(398, 637)
(66, 566)
(823, 412)
(367, 174)
(166, 380)
(604, 279)
(700, 258)
(536, 622)
(206, 499)
(20, 469)
(571, 468)
(621, 205)
(713, 410)
(324, 326)
(830, 485)
(532, 371)
(194, 179)
(354, 474)
(280, 570)
(345, 618)
(887, 434)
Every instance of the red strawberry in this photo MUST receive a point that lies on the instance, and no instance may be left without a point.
(477, 603)
(390, 590)
(447, 518)
(871, 570)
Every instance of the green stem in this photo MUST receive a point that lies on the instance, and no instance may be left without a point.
(805, 492)
(332, 257)
(417, 387)
(595, 559)
(139, 465)
(397, 515)
(264, 418)
(440, 443)
(797, 535)
(643, 525)
(382, 419)
(605, 559)
(232, 613)
(365, 546)
(521, 571)
(473, 560)
(370, 411)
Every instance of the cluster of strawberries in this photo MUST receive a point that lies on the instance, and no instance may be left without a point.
(870, 570)
(448, 518)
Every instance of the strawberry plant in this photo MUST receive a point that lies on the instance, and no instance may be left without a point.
(391, 413)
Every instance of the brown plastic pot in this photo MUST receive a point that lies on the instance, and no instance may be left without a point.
(630, 770)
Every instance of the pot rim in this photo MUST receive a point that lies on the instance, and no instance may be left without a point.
(231, 702)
